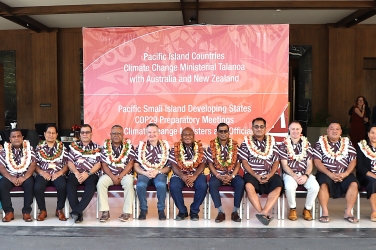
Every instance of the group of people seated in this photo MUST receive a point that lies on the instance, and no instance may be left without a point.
(252, 166)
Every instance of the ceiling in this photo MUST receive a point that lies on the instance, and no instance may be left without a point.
(45, 15)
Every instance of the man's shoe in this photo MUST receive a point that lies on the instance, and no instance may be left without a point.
(142, 215)
(293, 215)
(181, 216)
(42, 215)
(307, 214)
(235, 217)
(194, 216)
(161, 215)
(27, 218)
(105, 216)
(77, 218)
(220, 217)
(60, 214)
(8, 217)
(124, 217)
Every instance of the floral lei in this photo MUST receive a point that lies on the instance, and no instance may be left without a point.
(56, 157)
(123, 154)
(147, 164)
(180, 159)
(230, 161)
(270, 142)
(78, 149)
(25, 160)
(367, 151)
(290, 150)
(341, 153)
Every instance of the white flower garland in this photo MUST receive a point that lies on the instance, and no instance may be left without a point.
(342, 152)
(270, 142)
(290, 150)
(25, 160)
(147, 164)
(367, 151)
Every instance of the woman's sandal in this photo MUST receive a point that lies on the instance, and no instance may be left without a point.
(324, 219)
(351, 219)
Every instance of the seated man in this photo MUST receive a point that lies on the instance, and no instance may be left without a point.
(188, 160)
(17, 165)
(117, 164)
(296, 159)
(259, 156)
(224, 166)
(335, 159)
(151, 165)
(84, 164)
(52, 166)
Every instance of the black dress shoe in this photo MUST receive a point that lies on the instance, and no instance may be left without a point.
(194, 216)
(76, 217)
(181, 216)
(235, 217)
(161, 215)
(220, 217)
(142, 215)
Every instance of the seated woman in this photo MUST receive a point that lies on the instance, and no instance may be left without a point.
(366, 167)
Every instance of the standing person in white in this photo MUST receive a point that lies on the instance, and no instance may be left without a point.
(117, 159)
(296, 158)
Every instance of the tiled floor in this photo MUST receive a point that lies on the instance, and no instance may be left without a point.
(336, 208)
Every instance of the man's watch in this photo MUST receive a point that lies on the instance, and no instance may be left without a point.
(88, 172)
(159, 172)
(233, 176)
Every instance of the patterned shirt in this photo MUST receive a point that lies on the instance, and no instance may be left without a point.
(116, 169)
(84, 162)
(17, 152)
(298, 167)
(188, 155)
(52, 166)
(153, 154)
(260, 166)
(334, 165)
(224, 153)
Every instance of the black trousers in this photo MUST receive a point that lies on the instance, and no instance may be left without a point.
(40, 185)
(28, 187)
(90, 185)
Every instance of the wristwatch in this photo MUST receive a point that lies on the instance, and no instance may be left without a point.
(233, 176)
(306, 175)
(88, 172)
(159, 172)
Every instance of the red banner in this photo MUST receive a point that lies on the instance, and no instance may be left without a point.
(186, 76)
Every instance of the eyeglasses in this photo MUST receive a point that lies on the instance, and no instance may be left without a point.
(223, 131)
(115, 134)
(85, 132)
(259, 126)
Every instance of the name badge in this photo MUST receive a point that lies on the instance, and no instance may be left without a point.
(120, 165)
(81, 160)
(51, 166)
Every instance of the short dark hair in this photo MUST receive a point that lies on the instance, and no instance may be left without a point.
(152, 125)
(370, 127)
(222, 124)
(50, 125)
(334, 122)
(15, 130)
(86, 126)
(258, 119)
(117, 126)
